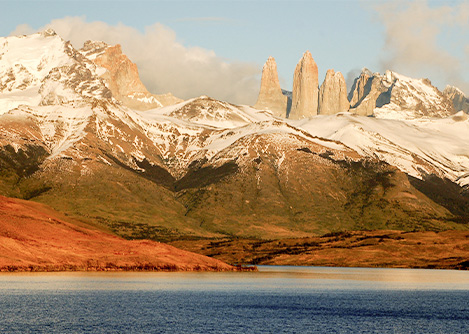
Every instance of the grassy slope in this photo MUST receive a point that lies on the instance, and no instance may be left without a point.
(35, 237)
(313, 196)
(309, 194)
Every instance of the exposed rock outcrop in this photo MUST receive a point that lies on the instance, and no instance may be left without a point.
(333, 94)
(459, 99)
(393, 95)
(270, 94)
(122, 77)
(366, 90)
(360, 88)
(305, 88)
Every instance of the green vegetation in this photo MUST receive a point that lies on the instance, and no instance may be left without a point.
(312, 194)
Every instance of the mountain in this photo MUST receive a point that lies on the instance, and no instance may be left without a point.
(204, 168)
(390, 96)
(419, 147)
(459, 99)
(122, 78)
(270, 94)
(33, 237)
(395, 96)
(42, 69)
(333, 94)
(305, 88)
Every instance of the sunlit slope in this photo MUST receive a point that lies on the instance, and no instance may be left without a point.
(35, 237)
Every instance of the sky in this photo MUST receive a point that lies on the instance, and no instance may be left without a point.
(218, 48)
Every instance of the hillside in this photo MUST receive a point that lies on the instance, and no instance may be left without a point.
(33, 237)
(390, 249)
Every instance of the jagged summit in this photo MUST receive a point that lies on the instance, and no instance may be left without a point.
(305, 88)
(122, 78)
(393, 95)
(43, 69)
(270, 95)
(459, 99)
(357, 91)
(48, 32)
(366, 71)
(449, 89)
(333, 94)
(92, 49)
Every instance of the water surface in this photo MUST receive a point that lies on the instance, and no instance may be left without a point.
(273, 300)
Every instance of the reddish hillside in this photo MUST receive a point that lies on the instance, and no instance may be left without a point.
(391, 249)
(34, 237)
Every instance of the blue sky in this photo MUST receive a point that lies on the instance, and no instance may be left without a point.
(343, 35)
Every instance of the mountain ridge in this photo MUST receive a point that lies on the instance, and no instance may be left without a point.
(208, 168)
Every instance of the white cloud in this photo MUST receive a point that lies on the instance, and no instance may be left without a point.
(413, 40)
(165, 64)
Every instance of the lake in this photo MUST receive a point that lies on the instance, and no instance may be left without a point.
(273, 300)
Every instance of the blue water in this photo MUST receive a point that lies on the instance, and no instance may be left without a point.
(274, 300)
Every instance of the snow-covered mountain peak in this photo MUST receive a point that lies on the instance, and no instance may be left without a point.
(26, 60)
(408, 98)
(454, 89)
(460, 116)
(48, 32)
(396, 96)
(459, 99)
(43, 69)
(206, 111)
(93, 49)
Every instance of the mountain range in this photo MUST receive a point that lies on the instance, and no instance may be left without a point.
(80, 132)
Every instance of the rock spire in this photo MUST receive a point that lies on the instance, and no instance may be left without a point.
(305, 88)
(270, 94)
(333, 94)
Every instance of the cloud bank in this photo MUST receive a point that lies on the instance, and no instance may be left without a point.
(418, 38)
(165, 64)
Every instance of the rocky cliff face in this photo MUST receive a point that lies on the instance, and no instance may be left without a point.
(270, 95)
(122, 77)
(333, 94)
(365, 92)
(459, 99)
(360, 88)
(305, 88)
(393, 95)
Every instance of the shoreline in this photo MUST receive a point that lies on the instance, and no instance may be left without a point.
(360, 249)
(138, 268)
